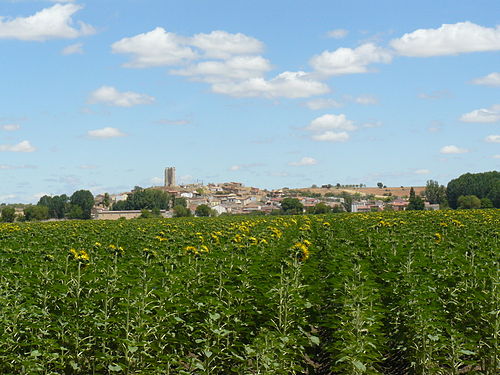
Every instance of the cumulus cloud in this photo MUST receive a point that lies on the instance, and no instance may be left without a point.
(422, 171)
(453, 150)
(330, 128)
(484, 115)
(323, 104)
(449, 39)
(55, 22)
(222, 45)
(330, 136)
(155, 48)
(337, 33)
(23, 146)
(106, 132)
(492, 79)
(235, 68)
(10, 127)
(331, 122)
(111, 96)
(497, 156)
(492, 139)
(286, 84)
(350, 61)
(73, 49)
(306, 160)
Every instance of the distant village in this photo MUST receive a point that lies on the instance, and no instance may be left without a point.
(234, 198)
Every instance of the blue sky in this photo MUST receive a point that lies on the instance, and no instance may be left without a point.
(103, 95)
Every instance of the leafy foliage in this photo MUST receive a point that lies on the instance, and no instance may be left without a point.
(141, 199)
(377, 293)
(482, 185)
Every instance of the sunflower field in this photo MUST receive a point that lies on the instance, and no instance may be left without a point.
(379, 293)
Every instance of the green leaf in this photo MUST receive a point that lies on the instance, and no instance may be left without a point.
(214, 316)
(466, 352)
(115, 368)
(360, 366)
(314, 339)
(74, 365)
(35, 353)
(132, 349)
(207, 353)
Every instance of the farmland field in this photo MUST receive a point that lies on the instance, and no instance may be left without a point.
(392, 293)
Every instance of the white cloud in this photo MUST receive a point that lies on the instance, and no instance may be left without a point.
(422, 171)
(50, 23)
(306, 160)
(235, 68)
(111, 96)
(366, 100)
(286, 84)
(5, 166)
(485, 115)
(155, 48)
(453, 150)
(330, 136)
(11, 127)
(373, 124)
(337, 33)
(24, 146)
(492, 79)
(73, 49)
(222, 45)
(331, 122)
(497, 156)
(7, 197)
(349, 61)
(449, 39)
(438, 94)
(156, 180)
(106, 132)
(492, 139)
(244, 166)
(323, 104)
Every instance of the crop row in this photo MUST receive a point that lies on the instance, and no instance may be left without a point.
(388, 293)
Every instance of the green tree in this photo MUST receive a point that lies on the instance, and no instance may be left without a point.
(57, 205)
(83, 199)
(75, 212)
(486, 203)
(36, 213)
(482, 185)
(181, 211)
(292, 206)
(140, 199)
(435, 193)
(380, 185)
(106, 201)
(415, 202)
(468, 202)
(203, 210)
(347, 203)
(8, 214)
(321, 208)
